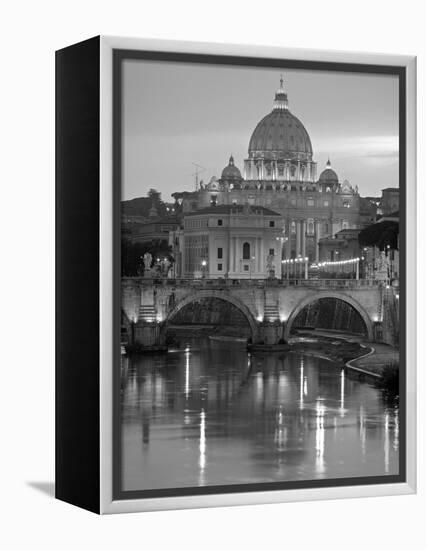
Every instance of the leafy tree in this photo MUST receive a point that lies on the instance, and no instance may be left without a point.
(381, 234)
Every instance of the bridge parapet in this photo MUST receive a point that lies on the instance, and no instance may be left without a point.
(258, 283)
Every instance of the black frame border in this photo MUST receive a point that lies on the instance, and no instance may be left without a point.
(120, 55)
(77, 400)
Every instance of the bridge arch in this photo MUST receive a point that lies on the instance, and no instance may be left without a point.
(220, 295)
(338, 296)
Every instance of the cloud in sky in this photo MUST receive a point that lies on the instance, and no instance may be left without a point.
(178, 114)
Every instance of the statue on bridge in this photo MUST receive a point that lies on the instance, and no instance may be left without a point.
(166, 267)
(270, 266)
(147, 261)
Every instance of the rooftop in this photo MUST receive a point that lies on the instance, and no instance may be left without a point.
(234, 209)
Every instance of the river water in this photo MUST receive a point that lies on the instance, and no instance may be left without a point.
(211, 414)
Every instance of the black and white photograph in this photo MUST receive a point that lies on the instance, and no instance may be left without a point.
(259, 266)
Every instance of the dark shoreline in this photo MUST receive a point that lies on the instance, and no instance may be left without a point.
(345, 352)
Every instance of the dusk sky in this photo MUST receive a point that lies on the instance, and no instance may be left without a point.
(176, 114)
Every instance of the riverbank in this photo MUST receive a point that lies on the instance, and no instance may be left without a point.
(378, 361)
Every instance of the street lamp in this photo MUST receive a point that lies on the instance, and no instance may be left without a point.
(203, 268)
(282, 240)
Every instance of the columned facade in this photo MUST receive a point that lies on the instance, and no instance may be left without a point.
(232, 242)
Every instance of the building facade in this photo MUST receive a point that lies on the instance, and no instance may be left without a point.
(230, 241)
(342, 246)
(389, 203)
(280, 174)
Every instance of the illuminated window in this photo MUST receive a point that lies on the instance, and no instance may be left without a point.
(311, 202)
(293, 227)
(325, 203)
(310, 227)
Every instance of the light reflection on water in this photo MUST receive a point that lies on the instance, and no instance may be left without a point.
(209, 414)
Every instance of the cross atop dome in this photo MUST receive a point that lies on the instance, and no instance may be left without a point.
(281, 102)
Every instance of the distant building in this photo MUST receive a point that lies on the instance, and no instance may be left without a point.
(340, 255)
(231, 241)
(155, 229)
(342, 246)
(389, 203)
(280, 173)
(145, 219)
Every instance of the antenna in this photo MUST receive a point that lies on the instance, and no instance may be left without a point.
(198, 170)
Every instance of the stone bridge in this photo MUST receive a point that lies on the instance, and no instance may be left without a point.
(270, 306)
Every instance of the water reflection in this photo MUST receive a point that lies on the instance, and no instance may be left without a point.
(212, 414)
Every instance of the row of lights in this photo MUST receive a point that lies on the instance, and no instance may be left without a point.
(295, 260)
(339, 262)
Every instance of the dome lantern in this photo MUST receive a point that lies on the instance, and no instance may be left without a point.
(281, 102)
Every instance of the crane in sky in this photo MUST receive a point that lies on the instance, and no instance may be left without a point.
(198, 170)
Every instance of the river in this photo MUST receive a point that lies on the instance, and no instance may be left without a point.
(211, 414)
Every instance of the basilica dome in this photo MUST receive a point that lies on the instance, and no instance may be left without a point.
(231, 172)
(328, 175)
(280, 134)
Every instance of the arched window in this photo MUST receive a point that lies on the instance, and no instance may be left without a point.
(246, 251)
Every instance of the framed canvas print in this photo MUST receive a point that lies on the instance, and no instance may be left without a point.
(235, 274)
